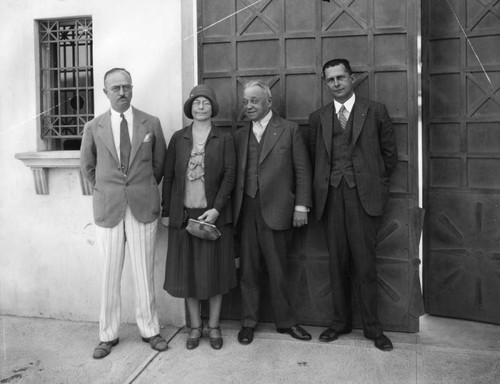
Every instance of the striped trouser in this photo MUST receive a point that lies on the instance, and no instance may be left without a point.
(140, 241)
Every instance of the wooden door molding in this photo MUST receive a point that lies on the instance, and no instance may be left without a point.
(461, 111)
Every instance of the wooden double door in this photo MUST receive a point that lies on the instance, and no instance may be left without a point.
(461, 131)
(286, 42)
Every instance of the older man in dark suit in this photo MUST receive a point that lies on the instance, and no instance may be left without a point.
(353, 148)
(272, 194)
(122, 156)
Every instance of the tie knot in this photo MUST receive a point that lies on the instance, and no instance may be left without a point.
(122, 115)
(342, 108)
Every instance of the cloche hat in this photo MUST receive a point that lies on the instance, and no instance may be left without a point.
(197, 91)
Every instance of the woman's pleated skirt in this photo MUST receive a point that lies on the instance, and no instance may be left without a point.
(199, 268)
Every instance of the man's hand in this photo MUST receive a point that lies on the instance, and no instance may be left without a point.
(165, 221)
(209, 216)
(299, 219)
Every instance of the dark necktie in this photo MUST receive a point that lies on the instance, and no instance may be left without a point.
(124, 144)
(342, 117)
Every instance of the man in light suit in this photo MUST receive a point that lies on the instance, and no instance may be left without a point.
(272, 193)
(353, 147)
(122, 156)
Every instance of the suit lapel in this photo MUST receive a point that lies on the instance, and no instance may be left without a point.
(327, 127)
(139, 133)
(359, 115)
(106, 135)
(243, 139)
(272, 134)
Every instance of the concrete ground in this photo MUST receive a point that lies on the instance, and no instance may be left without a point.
(40, 351)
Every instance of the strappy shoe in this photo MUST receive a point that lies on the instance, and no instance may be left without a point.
(195, 334)
(215, 337)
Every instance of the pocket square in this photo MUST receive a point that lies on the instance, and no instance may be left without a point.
(148, 137)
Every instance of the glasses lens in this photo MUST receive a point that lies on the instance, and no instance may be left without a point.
(116, 88)
(205, 103)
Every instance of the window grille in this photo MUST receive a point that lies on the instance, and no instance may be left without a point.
(66, 79)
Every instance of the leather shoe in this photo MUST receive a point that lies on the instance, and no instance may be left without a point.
(331, 334)
(157, 342)
(103, 349)
(296, 331)
(245, 335)
(383, 343)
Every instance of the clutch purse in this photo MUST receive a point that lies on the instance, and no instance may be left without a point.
(203, 230)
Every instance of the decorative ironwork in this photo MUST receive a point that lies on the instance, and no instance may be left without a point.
(66, 73)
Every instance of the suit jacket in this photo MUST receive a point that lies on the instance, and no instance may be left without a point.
(374, 153)
(219, 174)
(113, 190)
(284, 174)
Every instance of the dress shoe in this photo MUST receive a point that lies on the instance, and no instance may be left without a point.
(157, 342)
(245, 335)
(331, 334)
(383, 343)
(296, 331)
(103, 349)
(194, 338)
(215, 336)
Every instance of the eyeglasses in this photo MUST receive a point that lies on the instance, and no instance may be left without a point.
(205, 103)
(253, 100)
(116, 88)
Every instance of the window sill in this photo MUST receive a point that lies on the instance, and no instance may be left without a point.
(41, 162)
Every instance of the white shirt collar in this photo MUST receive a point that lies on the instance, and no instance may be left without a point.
(265, 120)
(349, 104)
(128, 113)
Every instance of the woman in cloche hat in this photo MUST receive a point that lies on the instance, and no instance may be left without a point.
(198, 180)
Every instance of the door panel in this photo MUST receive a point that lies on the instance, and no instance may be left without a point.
(461, 83)
(286, 43)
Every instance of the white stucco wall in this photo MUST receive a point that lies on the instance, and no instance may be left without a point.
(49, 264)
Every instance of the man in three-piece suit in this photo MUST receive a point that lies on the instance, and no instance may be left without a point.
(272, 194)
(353, 148)
(122, 156)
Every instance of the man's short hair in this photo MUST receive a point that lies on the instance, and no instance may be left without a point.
(258, 83)
(334, 63)
(113, 70)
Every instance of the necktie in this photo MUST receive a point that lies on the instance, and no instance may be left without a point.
(124, 144)
(342, 117)
(258, 130)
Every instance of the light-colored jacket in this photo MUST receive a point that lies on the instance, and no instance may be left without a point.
(113, 190)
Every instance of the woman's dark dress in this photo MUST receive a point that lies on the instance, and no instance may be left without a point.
(195, 267)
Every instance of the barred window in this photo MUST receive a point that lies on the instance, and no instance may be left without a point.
(66, 81)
